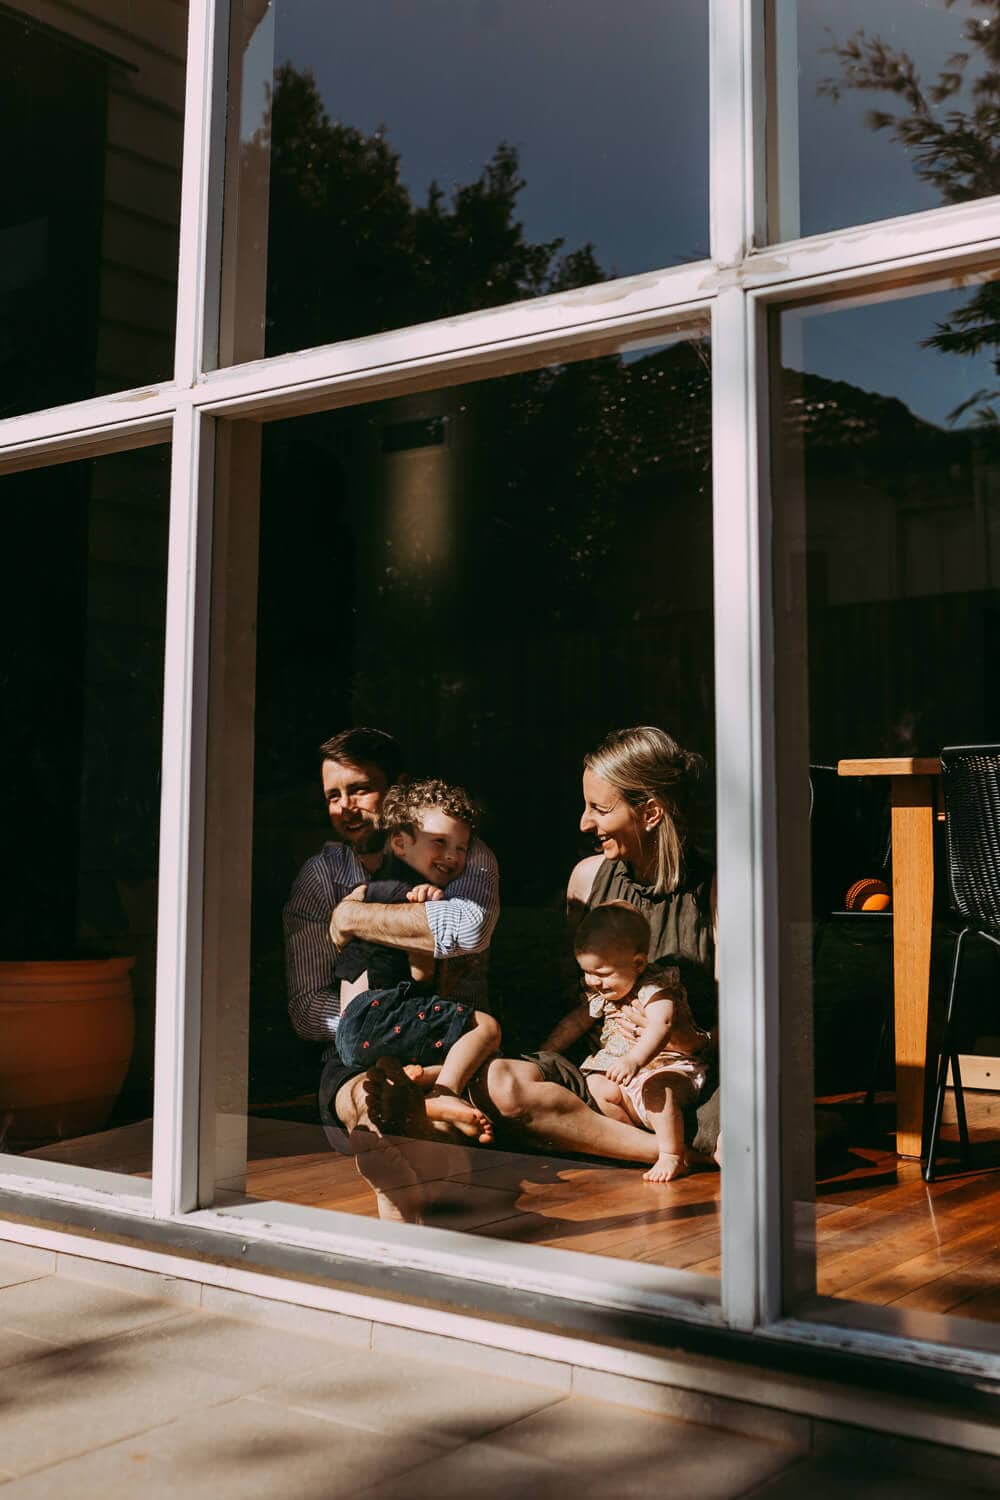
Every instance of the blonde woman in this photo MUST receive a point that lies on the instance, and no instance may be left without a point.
(637, 789)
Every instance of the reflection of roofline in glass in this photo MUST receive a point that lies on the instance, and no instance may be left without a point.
(72, 43)
(423, 432)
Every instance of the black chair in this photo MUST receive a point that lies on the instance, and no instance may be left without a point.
(970, 777)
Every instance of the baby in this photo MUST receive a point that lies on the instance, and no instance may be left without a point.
(651, 1080)
(428, 826)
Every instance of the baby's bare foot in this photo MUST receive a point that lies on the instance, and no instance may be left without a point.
(458, 1114)
(666, 1168)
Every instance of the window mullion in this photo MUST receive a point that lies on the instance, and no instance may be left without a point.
(200, 265)
(182, 802)
(731, 186)
(750, 1218)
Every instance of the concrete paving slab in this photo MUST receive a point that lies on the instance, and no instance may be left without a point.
(17, 1347)
(394, 1342)
(27, 1255)
(436, 1403)
(14, 1273)
(69, 1312)
(288, 1315)
(71, 1401)
(607, 1450)
(819, 1479)
(244, 1356)
(244, 1450)
(485, 1474)
(149, 1284)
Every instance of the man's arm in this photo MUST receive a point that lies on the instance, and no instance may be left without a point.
(575, 1024)
(461, 923)
(313, 990)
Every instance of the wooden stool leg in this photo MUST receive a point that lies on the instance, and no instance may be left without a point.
(913, 902)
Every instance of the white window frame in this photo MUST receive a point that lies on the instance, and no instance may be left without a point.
(744, 278)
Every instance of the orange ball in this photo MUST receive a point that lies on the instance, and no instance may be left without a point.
(868, 895)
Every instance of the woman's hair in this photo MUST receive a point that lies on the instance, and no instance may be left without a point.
(646, 762)
(404, 806)
(613, 924)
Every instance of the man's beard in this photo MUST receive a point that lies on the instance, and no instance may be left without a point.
(371, 840)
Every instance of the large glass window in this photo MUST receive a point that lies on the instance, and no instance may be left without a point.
(888, 536)
(83, 636)
(883, 107)
(393, 163)
(497, 573)
(93, 115)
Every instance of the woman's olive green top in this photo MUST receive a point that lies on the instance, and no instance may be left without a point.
(680, 923)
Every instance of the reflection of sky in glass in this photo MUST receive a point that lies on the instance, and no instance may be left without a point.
(879, 347)
(850, 174)
(608, 105)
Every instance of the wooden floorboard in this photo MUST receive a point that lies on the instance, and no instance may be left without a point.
(882, 1236)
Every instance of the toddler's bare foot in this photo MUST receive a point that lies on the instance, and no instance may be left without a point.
(458, 1114)
(667, 1168)
(393, 1101)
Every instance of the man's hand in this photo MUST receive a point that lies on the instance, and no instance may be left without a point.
(622, 1071)
(339, 918)
(422, 893)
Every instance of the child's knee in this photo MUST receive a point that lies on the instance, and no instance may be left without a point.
(489, 1028)
(603, 1089)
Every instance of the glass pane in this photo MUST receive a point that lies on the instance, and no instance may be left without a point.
(884, 107)
(392, 163)
(888, 561)
(497, 574)
(93, 99)
(83, 601)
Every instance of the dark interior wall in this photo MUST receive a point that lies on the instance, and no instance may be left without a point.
(83, 607)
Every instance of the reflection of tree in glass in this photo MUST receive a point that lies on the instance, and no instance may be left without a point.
(956, 150)
(351, 253)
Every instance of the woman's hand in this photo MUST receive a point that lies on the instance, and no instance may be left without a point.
(632, 1020)
(422, 893)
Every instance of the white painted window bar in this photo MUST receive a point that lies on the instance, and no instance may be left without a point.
(734, 288)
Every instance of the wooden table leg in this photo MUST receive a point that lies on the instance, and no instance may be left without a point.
(912, 902)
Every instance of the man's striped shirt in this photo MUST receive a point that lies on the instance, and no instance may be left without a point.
(462, 925)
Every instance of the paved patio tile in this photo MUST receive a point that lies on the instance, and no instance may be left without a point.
(14, 1273)
(59, 1402)
(16, 1347)
(821, 1479)
(239, 1451)
(610, 1450)
(393, 1343)
(435, 1403)
(246, 1356)
(69, 1312)
(69, 1401)
(483, 1471)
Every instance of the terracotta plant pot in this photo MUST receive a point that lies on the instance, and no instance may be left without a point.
(66, 1032)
